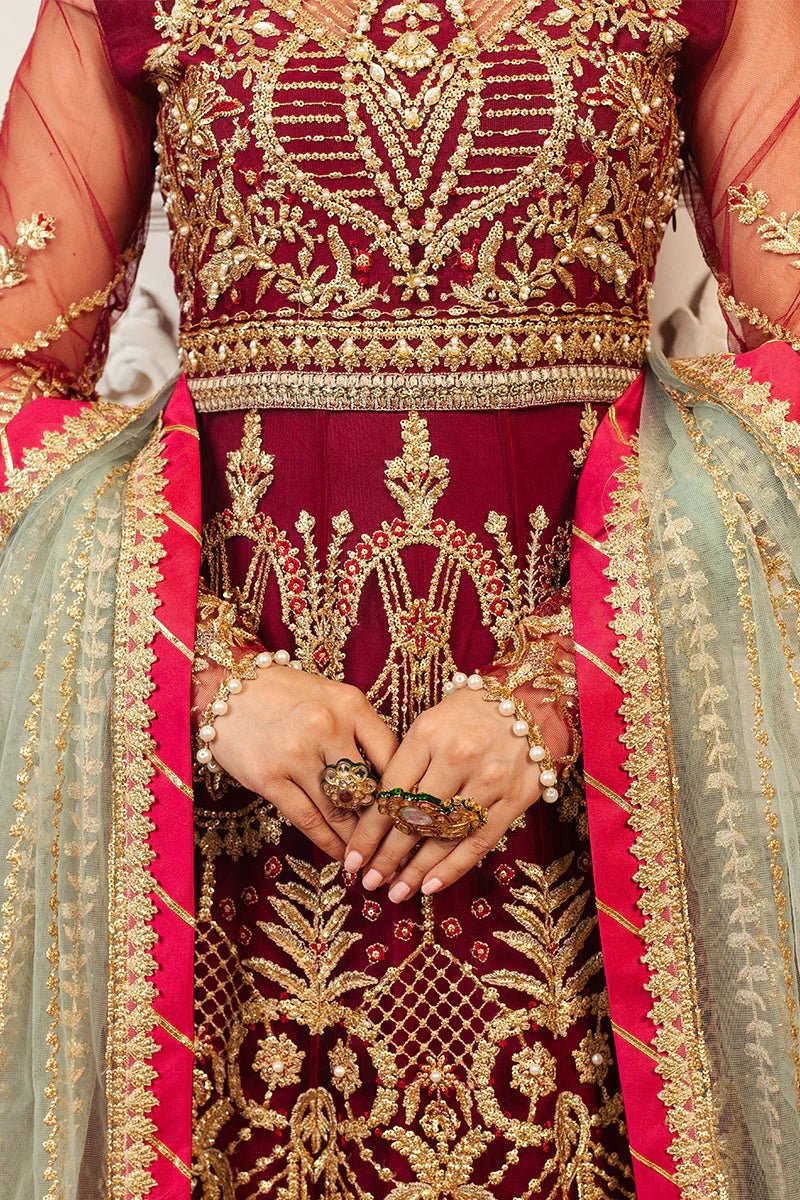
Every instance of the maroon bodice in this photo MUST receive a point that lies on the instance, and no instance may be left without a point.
(420, 185)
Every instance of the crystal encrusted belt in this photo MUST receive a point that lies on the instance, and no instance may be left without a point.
(458, 391)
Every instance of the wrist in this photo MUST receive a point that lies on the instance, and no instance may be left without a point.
(245, 668)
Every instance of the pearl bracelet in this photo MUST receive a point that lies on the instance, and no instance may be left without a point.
(207, 732)
(521, 727)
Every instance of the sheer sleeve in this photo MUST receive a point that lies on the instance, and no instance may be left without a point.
(76, 173)
(742, 122)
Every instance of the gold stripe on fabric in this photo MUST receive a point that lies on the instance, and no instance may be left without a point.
(173, 905)
(181, 429)
(171, 515)
(606, 791)
(455, 391)
(647, 1162)
(634, 1041)
(174, 640)
(169, 1028)
(171, 1156)
(590, 541)
(612, 416)
(617, 916)
(171, 776)
(597, 662)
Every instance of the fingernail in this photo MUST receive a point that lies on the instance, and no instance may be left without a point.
(371, 880)
(353, 862)
(399, 892)
(431, 886)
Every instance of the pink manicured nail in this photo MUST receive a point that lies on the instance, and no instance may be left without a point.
(399, 892)
(371, 880)
(353, 862)
(431, 886)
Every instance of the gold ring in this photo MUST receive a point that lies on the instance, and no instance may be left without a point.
(349, 785)
(423, 816)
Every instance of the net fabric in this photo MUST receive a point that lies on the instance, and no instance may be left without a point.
(75, 154)
(724, 542)
(742, 120)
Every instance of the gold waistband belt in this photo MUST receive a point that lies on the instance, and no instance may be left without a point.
(459, 391)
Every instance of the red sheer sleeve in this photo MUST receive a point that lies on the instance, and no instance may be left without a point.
(76, 174)
(742, 122)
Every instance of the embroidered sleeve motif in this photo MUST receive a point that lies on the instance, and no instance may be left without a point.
(31, 235)
(780, 235)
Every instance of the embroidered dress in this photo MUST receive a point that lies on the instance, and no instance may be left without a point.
(417, 416)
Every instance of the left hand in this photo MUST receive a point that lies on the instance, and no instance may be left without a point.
(463, 746)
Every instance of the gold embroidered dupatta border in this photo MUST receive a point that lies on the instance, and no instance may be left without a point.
(668, 1056)
(669, 953)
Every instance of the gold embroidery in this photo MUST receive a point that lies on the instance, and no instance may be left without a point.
(663, 902)
(45, 337)
(131, 1129)
(780, 235)
(320, 609)
(464, 391)
(79, 435)
(360, 211)
(437, 1101)
(31, 235)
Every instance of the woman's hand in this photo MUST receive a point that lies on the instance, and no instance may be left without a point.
(463, 746)
(279, 733)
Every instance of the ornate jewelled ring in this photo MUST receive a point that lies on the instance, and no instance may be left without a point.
(422, 816)
(349, 785)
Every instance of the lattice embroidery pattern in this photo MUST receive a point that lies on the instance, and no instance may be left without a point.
(437, 1101)
(493, 227)
(320, 604)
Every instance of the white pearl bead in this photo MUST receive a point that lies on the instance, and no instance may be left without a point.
(234, 686)
(264, 659)
(436, 1076)
(459, 679)
(507, 708)
(296, 665)
(548, 778)
(597, 1060)
(277, 1066)
(550, 795)
(475, 682)
(219, 708)
(204, 756)
(536, 753)
(449, 688)
(283, 657)
(536, 1068)
(520, 728)
(207, 733)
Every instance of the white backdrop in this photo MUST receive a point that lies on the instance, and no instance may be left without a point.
(686, 318)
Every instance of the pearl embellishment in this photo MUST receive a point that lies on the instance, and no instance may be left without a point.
(232, 687)
(520, 728)
(597, 1060)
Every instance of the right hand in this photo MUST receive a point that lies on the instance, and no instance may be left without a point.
(279, 733)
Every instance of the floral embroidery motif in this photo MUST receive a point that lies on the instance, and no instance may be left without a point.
(413, 163)
(428, 1089)
(780, 235)
(31, 235)
(320, 607)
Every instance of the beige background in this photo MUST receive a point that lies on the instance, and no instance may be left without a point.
(686, 317)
